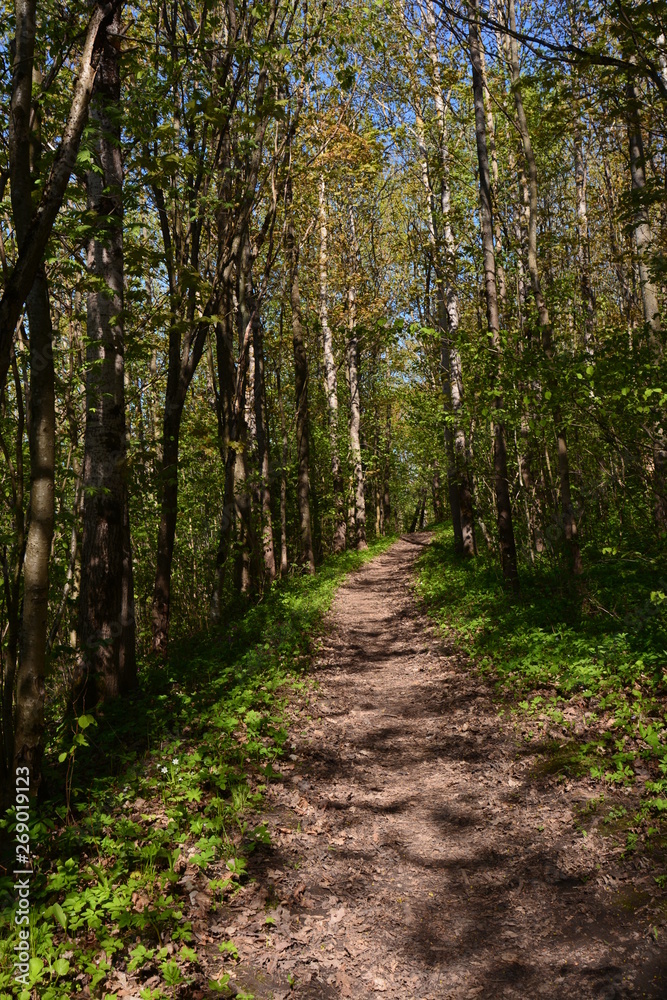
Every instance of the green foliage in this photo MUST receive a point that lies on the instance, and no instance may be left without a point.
(599, 645)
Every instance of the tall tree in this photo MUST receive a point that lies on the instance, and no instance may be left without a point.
(567, 506)
(353, 381)
(503, 503)
(24, 155)
(301, 390)
(106, 602)
(338, 543)
(447, 288)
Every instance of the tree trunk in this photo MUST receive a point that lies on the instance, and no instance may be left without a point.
(29, 721)
(583, 248)
(107, 666)
(386, 498)
(640, 223)
(171, 428)
(493, 156)
(224, 399)
(268, 553)
(453, 481)
(355, 402)
(447, 316)
(338, 541)
(643, 237)
(252, 426)
(503, 503)
(24, 155)
(462, 509)
(421, 502)
(301, 392)
(12, 572)
(567, 507)
(283, 474)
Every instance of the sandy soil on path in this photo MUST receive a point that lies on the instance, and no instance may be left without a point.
(414, 853)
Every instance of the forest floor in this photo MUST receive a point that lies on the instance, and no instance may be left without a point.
(419, 848)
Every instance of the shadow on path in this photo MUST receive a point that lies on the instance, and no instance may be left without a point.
(416, 855)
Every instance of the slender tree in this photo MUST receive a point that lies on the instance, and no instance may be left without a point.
(503, 503)
(338, 543)
(355, 407)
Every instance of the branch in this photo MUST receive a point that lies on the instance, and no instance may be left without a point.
(30, 257)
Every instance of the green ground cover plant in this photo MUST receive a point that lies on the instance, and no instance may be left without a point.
(175, 773)
(588, 657)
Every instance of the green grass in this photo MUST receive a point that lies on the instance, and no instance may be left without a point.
(599, 644)
(176, 771)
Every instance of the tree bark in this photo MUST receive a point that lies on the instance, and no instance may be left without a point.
(355, 407)
(171, 428)
(583, 248)
(24, 155)
(301, 393)
(12, 572)
(268, 553)
(107, 665)
(641, 223)
(283, 472)
(644, 242)
(503, 503)
(338, 541)
(462, 511)
(386, 497)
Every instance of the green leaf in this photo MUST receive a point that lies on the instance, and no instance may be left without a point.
(35, 966)
(61, 966)
(219, 985)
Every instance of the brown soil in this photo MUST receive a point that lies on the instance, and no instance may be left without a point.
(417, 851)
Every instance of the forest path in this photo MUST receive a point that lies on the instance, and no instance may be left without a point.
(415, 854)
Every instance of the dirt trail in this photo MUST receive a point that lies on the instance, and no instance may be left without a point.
(414, 852)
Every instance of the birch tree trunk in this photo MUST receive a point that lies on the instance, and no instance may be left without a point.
(338, 542)
(503, 503)
(446, 315)
(493, 157)
(464, 519)
(107, 662)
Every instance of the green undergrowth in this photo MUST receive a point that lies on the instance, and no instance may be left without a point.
(170, 777)
(587, 659)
